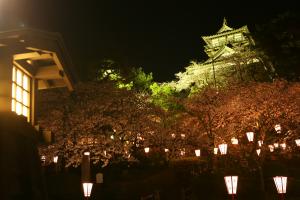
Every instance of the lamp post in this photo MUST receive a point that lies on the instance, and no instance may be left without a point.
(87, 189)
(280, 183)
(231, 184)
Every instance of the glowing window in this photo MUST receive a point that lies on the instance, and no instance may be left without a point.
(20, 93)
(215, 42)
(238, 37)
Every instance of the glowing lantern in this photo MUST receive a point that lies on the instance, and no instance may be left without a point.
(260, 143)
(87, 189)
(281, 183)
(55, 159)
(166, 150)
(173, 135)
(250, 136)
(258, 151)
(276, 145)
(231, 184)
(216, 150)
(86, 153)
(283, 146)
(182, 136)
(271, 147)
(297, 142)
(182, 152)
(198, 152)
(234, 141)
(43, 159)
(147, 149)
(223, 149)
(277, 128)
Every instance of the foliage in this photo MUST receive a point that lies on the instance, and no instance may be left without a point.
(96, 117)
(141, 80)
(163, 95)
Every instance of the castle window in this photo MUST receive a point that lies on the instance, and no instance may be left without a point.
(238, 37)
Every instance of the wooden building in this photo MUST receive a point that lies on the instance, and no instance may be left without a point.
(31, 60)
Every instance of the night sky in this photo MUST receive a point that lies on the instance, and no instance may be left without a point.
(160, 37)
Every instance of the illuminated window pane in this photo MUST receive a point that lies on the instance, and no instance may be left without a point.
(14, 74)
(25, 98)
(25, 111)
(19, 77)
(19, 94)
(19, 108)
(13, 105)
(13, 91)
(26, 83)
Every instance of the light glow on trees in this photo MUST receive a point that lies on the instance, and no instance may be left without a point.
(231, 184)
(283, 146)
(271, 148)
(276, 145)
(260, 143)
(280, 183)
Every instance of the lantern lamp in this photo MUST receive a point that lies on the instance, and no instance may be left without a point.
(258, 151)
(276, 145)
(283, 146)
(297, 142)
(250, 136)
(271, 147)
(277, 128)
(166, 150)
(147, 149)
(198, 152)
(87, 189)
(234, 141)
(55, 159)
(231, 184)
(182, 152)
(280, 183)
(260, 143)
(216, 150)
(223, 149)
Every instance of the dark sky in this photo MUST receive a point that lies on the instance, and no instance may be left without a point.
(159, 36)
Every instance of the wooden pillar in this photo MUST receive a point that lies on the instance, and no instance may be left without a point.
(6, 65)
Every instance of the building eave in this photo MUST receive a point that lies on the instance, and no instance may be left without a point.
(36, 45)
